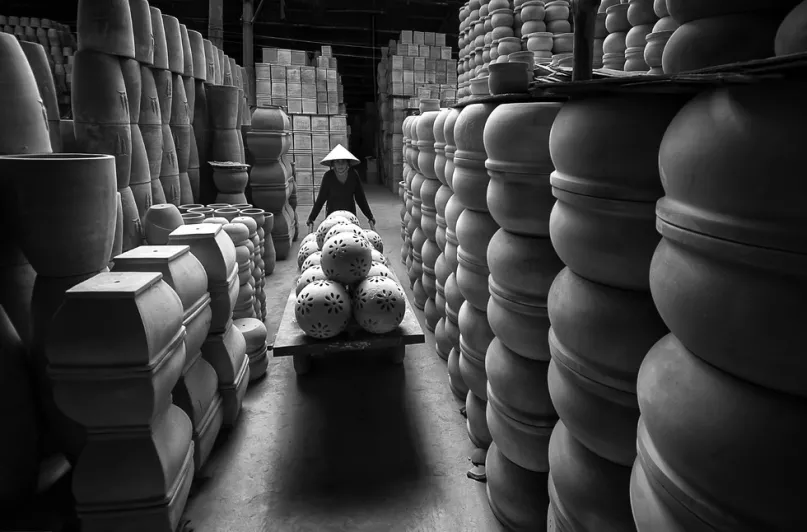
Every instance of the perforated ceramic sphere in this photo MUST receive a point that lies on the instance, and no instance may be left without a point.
(379, 257)
(323, 309)
(326, 226)
(375, 240)
(310, 237)
(313, 260)
(345, 228)
(306, 250)
(347, 215)
(346, 258)
(380, 270)
(314, 273)
(379, 304)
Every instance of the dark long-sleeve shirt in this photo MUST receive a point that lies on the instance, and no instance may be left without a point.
(339, 196)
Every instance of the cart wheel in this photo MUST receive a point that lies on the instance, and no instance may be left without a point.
(397, 355)
(302, 364)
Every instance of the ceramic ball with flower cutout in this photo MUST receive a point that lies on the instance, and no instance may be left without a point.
(327, 225)
(347, 215)
(375, 240)
(379, 304)
(306, 250)
(315, 259)
(346, 258)
(323, 309)
(345, 228)
(314, 273)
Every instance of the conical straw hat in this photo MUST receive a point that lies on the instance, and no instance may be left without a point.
(339, 153)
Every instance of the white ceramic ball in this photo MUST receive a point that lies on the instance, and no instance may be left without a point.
(306, 250)
(314, 273)
(323, 309)
(347, 215)
(346, 258)
(375, 240)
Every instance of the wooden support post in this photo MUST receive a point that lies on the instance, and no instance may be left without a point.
(215, 22)
(585, 19)
(248, 52)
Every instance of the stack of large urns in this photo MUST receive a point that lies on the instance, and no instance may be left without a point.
(502, 30)
(269, 141)
(196, 391)
(487, 32)
(38, 61)
(430, 110)
(642, 18)
(522, 265)
(474, 230)
(462, 43)
(27, 213)
(617, 25)
(244, 250)
(442, 344)
(105, 98)
(406, 210)
(600, 308)
(530, 27)
(557, 17)
(225, 347)
(729, 280)
(415, 269)
(657, 39)
(722, 32)
(264, 251)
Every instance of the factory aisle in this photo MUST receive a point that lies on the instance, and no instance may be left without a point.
(357, 445)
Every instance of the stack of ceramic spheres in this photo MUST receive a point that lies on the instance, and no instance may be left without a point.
(441, 271)
(728, 280)
(617, 25)
(474, 229)
(269, 140)
(38, 61)
(430, 110)
(530, 27)
(463, 44)
(600, 307)
(642, 18)
(196, 391)
(224, 348)
(104, 69)
(522, 266)
(245, 303)
(116, 381)
(406, 210)
(657, 39)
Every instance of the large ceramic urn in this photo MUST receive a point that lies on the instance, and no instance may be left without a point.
(522, 264)
(600, 308)
(474, 229)
(441, 271)
(728, 280)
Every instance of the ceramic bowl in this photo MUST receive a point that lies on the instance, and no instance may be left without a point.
(509, 78)
(522, 57)
(636, 35)
(616, 19)
(479, 87)
(563, 43)
(533, 26)
(540, 42)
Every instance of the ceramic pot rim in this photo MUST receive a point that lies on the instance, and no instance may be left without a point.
(58, 157)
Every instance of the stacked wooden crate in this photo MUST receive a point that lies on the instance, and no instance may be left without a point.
(313, 137)
(290, 79)
(417, 66)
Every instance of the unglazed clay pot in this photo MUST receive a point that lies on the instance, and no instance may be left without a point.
(106, 27)
(614, 44)
(379, 304)
(346, 258)
(159, 222)
(518, 497)
(586, 492)
(680, 481)
(323, 309)
(636, 36)
(616, 20)
(654, 49)
(634, 60)
(46, 190)
(199, 57)
(142, 31)
(38, 61)
(791, 37)
(720, 40)
(688, 10)
(470, 179)
(641, 12)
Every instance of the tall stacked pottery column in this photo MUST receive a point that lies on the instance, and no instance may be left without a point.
(269, 141)
(409, 174)
(430, 110)
(475, 228)
(195, 88)
(603, 323)
(729, 280)
(442, 343)
(101, 105)
(150, 121)
(174, 113)
(522, 266)
(415, 271)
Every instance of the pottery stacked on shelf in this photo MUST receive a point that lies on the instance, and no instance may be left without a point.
(642, 18)
(196, 391)
(225, 347)
(464, 56)
(254, 332)
(657, 39)
(414, 266)
(453, 296)
(102, 109)
(269, 141)
(600, 33)
(531, 29)
(258, 277)
(728, 279)
(244, 249)
(522, 265)
(406, 197)
(617, 25)
(474, 229)
(600, 308)
(722, 32)
(136, 467)
(430, 110)
(558, 22)
(487, 32)
(502, 31)
(259, 241)
(442, 343)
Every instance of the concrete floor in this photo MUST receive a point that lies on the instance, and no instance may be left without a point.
(356, 445)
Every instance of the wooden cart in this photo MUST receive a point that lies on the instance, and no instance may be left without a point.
(291, 341)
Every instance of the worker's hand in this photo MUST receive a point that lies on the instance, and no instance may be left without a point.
(372, 224)
(310, 226)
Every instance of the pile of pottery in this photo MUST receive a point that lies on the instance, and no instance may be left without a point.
(657, 39)
(790, 35)
(600, 308)
(414, 262)
(48, 90)
(465, 65)
(728, 281)
(530, 20)
(344, 279)
(474, 229)
(557, 20)
(725, 31)
(642, 18)
(617, 25)
(269, 140)
(406, 199)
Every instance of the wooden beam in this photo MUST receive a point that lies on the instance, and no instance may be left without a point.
(585, 18)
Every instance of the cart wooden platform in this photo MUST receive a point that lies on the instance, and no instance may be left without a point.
(291, 341)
